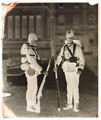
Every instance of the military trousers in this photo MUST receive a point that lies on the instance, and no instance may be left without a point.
(72, 80)
(31, 91)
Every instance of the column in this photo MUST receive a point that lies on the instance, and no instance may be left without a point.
(17, 27)
(10, 27)
(24, 26)
(52, 35)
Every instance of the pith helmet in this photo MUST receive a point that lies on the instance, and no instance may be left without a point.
(69, 33)
(32, 37)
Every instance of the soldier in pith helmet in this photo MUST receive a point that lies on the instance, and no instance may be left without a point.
(32, 69)
(73, 62)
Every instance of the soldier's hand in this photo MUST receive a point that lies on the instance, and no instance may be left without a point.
(37, 73)
(79, 71)
(45, 72)
(55, 69)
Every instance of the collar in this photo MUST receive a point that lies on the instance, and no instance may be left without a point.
(33, 47)
(70, 44)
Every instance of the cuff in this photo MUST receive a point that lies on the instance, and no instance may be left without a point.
(79, 69)
(42, 72)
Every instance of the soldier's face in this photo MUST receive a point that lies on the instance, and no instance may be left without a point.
(69, 39)
(34, 43)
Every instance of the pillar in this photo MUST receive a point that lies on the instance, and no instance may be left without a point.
(52, 36)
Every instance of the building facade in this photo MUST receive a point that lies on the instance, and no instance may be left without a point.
(50, 22)
(83, 19)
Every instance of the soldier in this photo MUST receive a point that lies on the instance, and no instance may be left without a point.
(73, 62)
(32, 69)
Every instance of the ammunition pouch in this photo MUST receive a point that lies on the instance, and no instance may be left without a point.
(31, 71)
(73, 59)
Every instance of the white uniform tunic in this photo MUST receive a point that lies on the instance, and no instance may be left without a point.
(31, 60)
(70, 70)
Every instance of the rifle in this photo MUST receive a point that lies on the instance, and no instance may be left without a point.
(39, 95)
(58, 91)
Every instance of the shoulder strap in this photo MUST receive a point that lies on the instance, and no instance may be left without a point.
(35, 52)
(69, 50)
(64, 49)
(72, 54)
(74, 49)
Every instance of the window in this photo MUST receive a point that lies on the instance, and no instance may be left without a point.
(61, 20)
(91, 19)
(91, 41)
(61, 5)
(76, 20)
(76, 6)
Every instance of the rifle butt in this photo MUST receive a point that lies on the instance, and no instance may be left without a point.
(59, 109)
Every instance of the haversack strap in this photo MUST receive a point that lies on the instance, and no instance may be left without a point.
(74, 47)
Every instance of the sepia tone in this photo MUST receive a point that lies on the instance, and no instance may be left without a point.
(50, 22)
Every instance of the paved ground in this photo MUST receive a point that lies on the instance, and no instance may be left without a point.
(88, 95)
(92, 63)
(17, 103)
